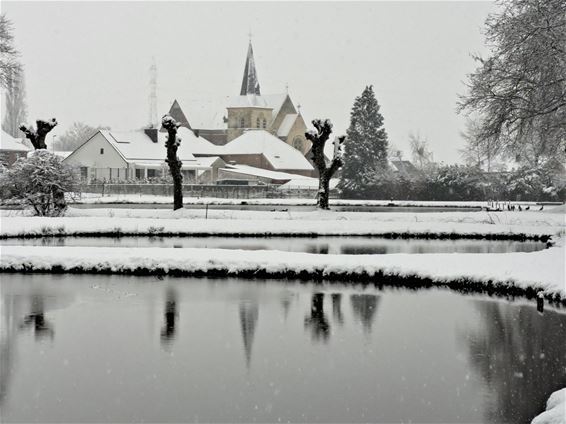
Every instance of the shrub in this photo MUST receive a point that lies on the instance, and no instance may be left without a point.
(39, 182)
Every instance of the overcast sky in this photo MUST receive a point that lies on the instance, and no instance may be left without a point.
(89, 61)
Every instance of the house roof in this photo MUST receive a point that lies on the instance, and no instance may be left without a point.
(277, 152)
(136, 145)
(7, 142)
(286, 124)
(263, 173)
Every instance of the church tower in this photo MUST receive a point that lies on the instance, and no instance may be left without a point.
(250, 83)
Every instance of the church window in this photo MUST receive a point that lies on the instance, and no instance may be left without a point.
(298, 143)
(257, 123)
(264, 124)
(242, 123)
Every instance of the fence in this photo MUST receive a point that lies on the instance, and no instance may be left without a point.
(202, 190)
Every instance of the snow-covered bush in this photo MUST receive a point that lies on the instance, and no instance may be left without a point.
(39, 182)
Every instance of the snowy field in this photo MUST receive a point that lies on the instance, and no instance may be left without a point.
(135, 198)
(542, 270)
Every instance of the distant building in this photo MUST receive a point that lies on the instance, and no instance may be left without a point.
(11, 149)
(274, 113)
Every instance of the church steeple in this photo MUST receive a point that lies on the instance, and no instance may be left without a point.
(250, 83)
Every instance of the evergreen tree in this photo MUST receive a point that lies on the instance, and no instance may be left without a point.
(366, 144)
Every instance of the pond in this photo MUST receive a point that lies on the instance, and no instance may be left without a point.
(78, 348)
(321, 245)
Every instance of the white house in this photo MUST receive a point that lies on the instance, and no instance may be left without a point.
(137, 155)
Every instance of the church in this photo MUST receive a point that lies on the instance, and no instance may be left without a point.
(252, 110)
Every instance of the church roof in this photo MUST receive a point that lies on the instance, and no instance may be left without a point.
(287, 124)
(276, 151)
(250, 83)
(177, 113)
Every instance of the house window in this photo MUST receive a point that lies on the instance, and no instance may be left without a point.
(139, 174)
(264, 124)
(101, 151)
(151, 173)
(242, 123)
(84, 173)
(257, 123)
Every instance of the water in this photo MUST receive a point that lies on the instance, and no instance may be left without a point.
(322, 245)
(123, 349)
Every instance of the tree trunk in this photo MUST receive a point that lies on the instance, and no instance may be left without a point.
(323, 191)
(175, 169)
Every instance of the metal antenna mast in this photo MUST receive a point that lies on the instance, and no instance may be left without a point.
(153, 94)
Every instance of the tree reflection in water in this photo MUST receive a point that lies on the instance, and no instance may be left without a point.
(520, 371)
(365, 307)
(168, 332)
(249, 313)
(317, 321)
(36, 319)
(337, 308)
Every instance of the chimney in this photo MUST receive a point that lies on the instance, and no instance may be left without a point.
(151, 133)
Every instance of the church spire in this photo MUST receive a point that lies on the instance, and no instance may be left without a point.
(250, 83)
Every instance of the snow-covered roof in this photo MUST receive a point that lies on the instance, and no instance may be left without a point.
(205, 112)
(197, 145)
(277, 152)
(208, 161)
(62, 154)
(7, 142)
(137, 145)
(287, 124)
(263, 173)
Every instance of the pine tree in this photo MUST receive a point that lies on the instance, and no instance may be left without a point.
(366, 145)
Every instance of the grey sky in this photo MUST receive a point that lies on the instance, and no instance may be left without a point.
(89, 61)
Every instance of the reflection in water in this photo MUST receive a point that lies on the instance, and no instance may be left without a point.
(36, 319)
(337, 308)
(170, 317)
(249, 312)
(286, 303)
(365, 307)
(317, 321)
(513, 353)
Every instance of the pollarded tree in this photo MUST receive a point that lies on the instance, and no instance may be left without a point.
(366, 144)
(520, 89)
(172, 144)
(37, 136)
(318, 139)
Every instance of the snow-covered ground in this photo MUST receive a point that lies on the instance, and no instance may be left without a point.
(146, 198)
(543, 270)
(555, 409)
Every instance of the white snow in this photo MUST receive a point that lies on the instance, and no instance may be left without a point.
(287, 124)
(555, 412)
(280, 155)
(9, 143)
(543, 270)
(266, 173)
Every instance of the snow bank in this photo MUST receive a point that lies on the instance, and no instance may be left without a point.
(511, 273)
(555, 409)
(332, 226)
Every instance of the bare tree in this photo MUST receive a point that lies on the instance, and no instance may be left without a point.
(419, 149)
(318, 139)
(480, 150)
(9, 65)
(15, 101)
(77, 134)
(172, 144)
(520, 89)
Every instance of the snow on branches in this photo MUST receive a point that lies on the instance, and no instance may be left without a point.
(37, 136)
(318, 138)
